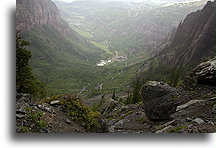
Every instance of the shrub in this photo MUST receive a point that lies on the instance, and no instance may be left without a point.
(78, 111)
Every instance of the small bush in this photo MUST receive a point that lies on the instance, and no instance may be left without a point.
(78, 111)
(177, 129)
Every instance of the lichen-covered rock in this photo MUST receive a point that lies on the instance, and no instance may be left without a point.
(158, 100)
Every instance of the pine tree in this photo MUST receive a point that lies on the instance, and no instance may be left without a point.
(26, 82)
(129, 98)
(175, 76)
(136, 92)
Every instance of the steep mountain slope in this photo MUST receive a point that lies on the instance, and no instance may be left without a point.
(194, 41)
(62, 59)
(194, 38)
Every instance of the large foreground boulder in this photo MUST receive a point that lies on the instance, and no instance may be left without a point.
(158, 98)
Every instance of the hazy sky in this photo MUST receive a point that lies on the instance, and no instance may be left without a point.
(110, 0)
(128, 0)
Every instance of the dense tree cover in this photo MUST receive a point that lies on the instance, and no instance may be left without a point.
(26, 82)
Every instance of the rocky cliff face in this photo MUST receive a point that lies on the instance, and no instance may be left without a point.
(30, 13)
(194, 38)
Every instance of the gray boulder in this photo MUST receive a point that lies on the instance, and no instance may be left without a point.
(158, 99)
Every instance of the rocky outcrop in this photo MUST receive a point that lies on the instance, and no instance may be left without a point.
(30, 13)
(157, 99)
(204, 73)
(193, 42)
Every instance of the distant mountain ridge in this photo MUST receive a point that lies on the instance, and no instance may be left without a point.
(193, 41)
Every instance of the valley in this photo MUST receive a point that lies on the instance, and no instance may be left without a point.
(125, 28)
(116, 66)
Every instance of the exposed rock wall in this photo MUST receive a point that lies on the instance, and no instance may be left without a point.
(194, 38)
(38, 12)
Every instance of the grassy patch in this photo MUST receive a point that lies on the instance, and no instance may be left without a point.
(102, 46)
(177, 129)
(141, 120)
(83, 33)
(24, 129)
